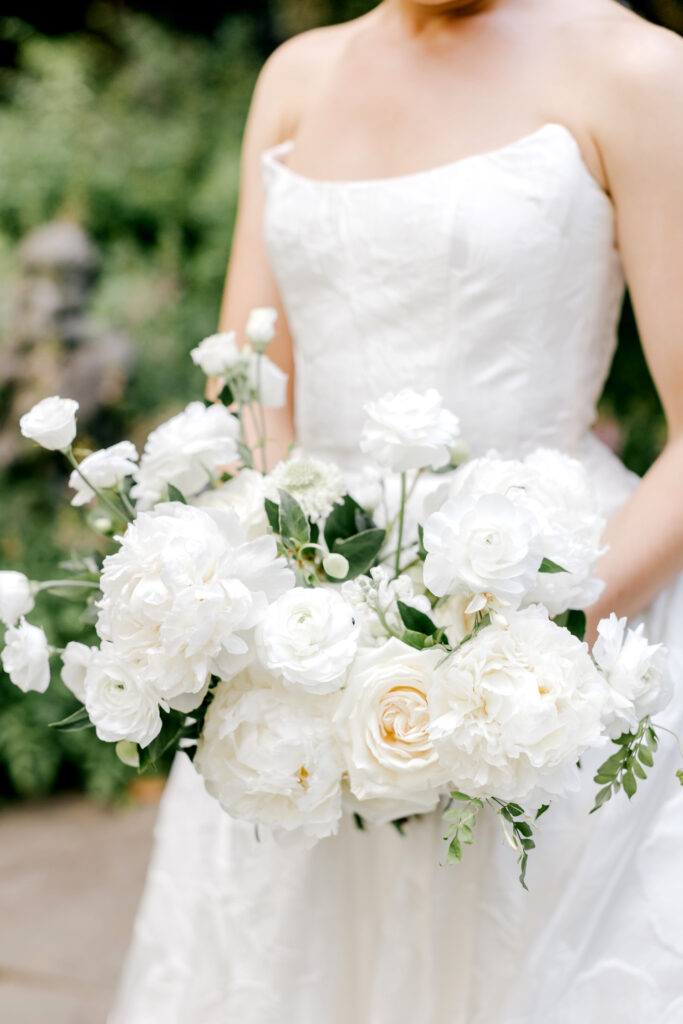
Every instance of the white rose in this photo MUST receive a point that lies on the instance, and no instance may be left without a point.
(120, 706)
(482, 545)
(514, 709)
(75, 660)
(409, 430)
(374, 599)
(26, 657)
(103, 469)
(317, 486)
(186, 451)
(270, 758)
(383, 725)
(636, 672)
(260, 329)
(16, 597)
(183, 595)
(309, 638)
(267, 382)
(51, 423)
(217, 355)
(245, 493)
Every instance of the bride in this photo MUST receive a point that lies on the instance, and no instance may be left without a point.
(452, 194)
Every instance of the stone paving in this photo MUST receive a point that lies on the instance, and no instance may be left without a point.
(71, 874)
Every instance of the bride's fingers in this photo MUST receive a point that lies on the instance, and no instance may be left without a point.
(214, 386)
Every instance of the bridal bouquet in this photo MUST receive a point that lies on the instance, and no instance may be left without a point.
(412, 645)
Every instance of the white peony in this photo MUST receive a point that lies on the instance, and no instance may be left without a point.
(317, 486)
(374, 599)
(260, 329)
(270, 758)
(186, 451)
(218, 355)
(103, 469)
(51, 423)
(309, 638)
(636, 672)
(75, 660)
(120, 705)
(383, 727)
(245, 493)
(409, 430)
(482, 545)
(267, 382)
(16, 596)
(26, 657)
(514, 709)
(182, 597)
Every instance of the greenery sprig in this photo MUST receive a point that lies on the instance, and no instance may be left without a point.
(634, 754)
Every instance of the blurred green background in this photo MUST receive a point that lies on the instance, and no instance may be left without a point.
(129, 119)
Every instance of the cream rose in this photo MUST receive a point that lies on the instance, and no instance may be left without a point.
(217, 355)
(51, 423)
(409, 430)
(103, 469)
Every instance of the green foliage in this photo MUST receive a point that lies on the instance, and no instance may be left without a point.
(634, 754)
(461, 816)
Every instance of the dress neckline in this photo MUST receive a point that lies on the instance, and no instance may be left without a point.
(271, 157)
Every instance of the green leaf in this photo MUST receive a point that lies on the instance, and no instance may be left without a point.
(638, 770)
(171, 730)
(415, 620)
(346, 519)
(541, 810)
(454, 852)
(421, 550)
(576, 623)
(679, 775)
(629, 783)
(360, 823)
(412, 639)
(524, 829)
(293, 522)
(175, 495)
(73, 723)
(273, 514)
(645, 755)
(245, 454)
(461, 797)
(226, 395)
(602, 797)
(547, 565)
(360, 551)
(651, 738)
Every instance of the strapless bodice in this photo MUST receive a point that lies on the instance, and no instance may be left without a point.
(495, 278)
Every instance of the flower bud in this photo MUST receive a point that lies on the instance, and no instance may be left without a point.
(336, 566)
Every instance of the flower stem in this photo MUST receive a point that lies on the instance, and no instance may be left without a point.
(118, 512)
(401, 520)
(262, 415)
(51, 584)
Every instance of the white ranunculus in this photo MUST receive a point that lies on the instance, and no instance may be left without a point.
(186, 451)
(482, 545)
(26, 657)
(383, 725)
(103, 469)
(309, 638)
(260, 329)
(245, 493)
(514, 709)
(75, 660)
(374, 600)
(183, 594)
(270, 758)
(557, 490)
(409, 430)
(317, 486)
(267, 382)
(636, 672)
(16, 596)
(120, 705)
(51, 423)
(217, 355)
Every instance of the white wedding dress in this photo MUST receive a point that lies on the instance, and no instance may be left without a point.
(495, 279)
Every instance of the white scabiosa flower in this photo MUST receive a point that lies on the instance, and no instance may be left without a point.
(120, 706)
(217, 355)
(16, 596)
(26, 657)
(103, 469)
(51, 423)
(317, 486)
(245, 493)
(260, 329)
(409, 430)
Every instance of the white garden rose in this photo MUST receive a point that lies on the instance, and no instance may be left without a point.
(383, 725)
(270, 757)
(260, 329)
(267, 382)
(120, 705)
(51, 423)
(309, 638)
(317, 486)
(482, 545)
(183, 594)
(26, 657)
(76, 658)
(636, 672)
(217, 355)
(409, 430)
(103, 469)
(514, 709)
(374, 599)
(16, 596)
(245, 493)
(186, 451)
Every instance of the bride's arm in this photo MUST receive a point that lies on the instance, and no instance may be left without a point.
(641, 143)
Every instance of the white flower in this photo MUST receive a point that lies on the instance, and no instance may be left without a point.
(383, 725)
(317, 486)
(16, 597)
(245, 493)
(336, 566)
(182, 597)
(217, 355)
(636, 672)
(103, 469)
(515, 708)
(186, 451)
(451, 614)
(120, 706)
(309, 638)
(558, 491)
(75, 660)
(267, 382)
(368, 489)
(26, 657)
(374, 600)
(409, 430)
(51, 423)
(482, 544)
(260, 329)
(270, 758)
